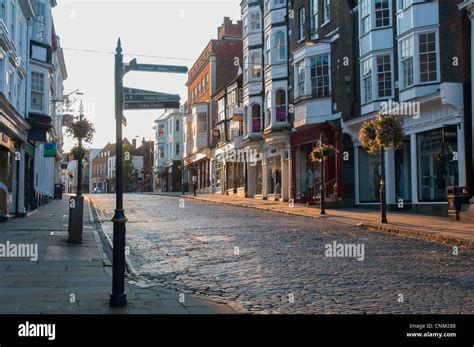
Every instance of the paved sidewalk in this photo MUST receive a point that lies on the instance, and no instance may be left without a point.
(75, 279)
(403, 223)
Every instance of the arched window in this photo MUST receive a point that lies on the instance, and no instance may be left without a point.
(280, 46)
(256, 118)
(280, 105)
(256, 66)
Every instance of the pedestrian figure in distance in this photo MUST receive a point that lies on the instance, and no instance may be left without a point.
(194, 184)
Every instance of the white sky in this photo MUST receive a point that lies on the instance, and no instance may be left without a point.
(158, 28)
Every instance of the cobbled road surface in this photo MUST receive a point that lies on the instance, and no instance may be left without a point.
(274, 263)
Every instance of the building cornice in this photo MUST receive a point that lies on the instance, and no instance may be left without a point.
(27, 8)
(467, 5)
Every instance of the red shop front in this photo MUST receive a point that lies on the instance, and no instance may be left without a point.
(307, 174)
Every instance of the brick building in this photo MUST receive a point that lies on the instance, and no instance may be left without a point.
(217, 65)
(324, 54)
(100, 169)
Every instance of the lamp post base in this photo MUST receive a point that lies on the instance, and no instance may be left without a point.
(118, 301)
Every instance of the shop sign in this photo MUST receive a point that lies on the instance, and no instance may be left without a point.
(50, 150)
(237, 113)
(450, 134)
(6, 141)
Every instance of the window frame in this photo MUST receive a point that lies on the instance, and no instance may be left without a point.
(326, 12)
(314, 16)
(279, 46)
(367, 80)
(34, 89)
(388, 10)
(257, 22)
(259, 118)
(302, 23)
(313, 80)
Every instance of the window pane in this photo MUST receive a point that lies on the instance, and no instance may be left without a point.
(436, 168)
(369, 176)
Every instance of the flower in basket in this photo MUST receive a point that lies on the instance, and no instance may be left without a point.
(82, 129)
(383, 132)
(389, 132)
(79, 154)
(321, 151)
(368, 136)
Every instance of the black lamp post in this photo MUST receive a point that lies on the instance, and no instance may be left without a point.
(118, 298)
(76, 204)
(322, 210)
(383, 202)
(81, 156)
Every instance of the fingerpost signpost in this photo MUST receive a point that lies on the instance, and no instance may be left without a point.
(130, 99)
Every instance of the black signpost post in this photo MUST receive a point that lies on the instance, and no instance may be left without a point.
(130, 99)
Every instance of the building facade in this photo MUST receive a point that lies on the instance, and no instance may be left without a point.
(169, 151)
(266, 89)
(229, 164)
(467, 7)
(217, 65)
(412, 65)
(14, 146)
(99, 167)
(323, 84)
(46, 71)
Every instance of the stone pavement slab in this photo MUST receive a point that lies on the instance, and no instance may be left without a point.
(73, 279)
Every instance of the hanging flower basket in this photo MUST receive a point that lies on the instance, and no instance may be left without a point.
(79, 154)
(82, 129)
(383, 132)
(322, 151)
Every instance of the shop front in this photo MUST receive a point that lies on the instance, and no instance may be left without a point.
(8, 176)
(418, 174)
(307, 174)
(199, 165)
(172, 176)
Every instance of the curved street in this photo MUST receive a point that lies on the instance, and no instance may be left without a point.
(272, 263)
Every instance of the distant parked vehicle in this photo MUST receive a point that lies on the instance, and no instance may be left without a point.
(98, 190)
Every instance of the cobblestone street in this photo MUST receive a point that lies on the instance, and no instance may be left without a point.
(272, 263)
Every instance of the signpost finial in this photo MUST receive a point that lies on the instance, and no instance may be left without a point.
(118, 50)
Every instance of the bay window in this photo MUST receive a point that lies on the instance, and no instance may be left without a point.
(419, 59)
(300, 79)
(256, 118)
(246, 69)
(201, 123)
(384, 76)
(427, 55)
(280, 106)
(268, 111)
(407, 62)
(256, 66)
(365, 16)
(280, 46)
(382, 13)
(320, 83)
(367, 79)
(37, 91)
